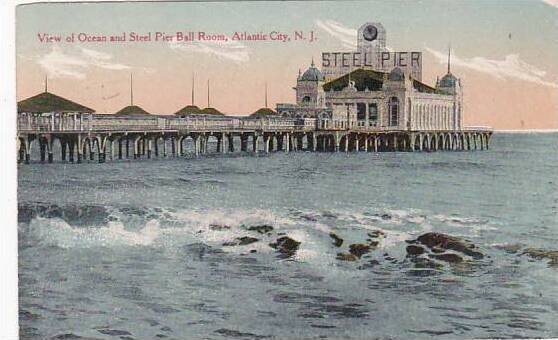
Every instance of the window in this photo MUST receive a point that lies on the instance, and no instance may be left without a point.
(393, 111)
(373, 112)
(361, 111)
(306, 99)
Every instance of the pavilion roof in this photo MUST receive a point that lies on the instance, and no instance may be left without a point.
(263, 112)
(49, 102)
(131, 110)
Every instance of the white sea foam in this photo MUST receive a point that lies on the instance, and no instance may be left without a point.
(57, 232)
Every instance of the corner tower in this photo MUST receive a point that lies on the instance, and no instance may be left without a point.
(309, 88)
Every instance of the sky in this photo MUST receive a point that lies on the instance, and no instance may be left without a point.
(505, 52)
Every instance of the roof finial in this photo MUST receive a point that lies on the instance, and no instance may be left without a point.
(266, 94)
(46, 83)
(312, 62)
(131, 90)
(208, 93)
(449, 58)
(192, 88)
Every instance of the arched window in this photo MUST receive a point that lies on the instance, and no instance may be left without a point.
(306, 99)
(393, 111)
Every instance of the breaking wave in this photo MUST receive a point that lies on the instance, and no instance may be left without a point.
(233, 231)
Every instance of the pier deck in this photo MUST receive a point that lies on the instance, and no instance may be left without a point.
(100, 137)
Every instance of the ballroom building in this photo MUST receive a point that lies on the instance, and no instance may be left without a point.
(374, 87)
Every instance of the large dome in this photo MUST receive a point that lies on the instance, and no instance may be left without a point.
(312, 74)
(449, 80)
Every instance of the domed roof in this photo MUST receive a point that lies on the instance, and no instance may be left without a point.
(188, 110)
(263, 112)
(449, 80)
(312, 74)
(131, 110)
(211, 111)
(396, 74)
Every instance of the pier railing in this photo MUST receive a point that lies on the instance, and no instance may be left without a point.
(77, 122)
(56, 122)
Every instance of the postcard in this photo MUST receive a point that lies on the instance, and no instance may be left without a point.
(287, 169)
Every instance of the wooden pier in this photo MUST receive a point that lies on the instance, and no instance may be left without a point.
(102, 137)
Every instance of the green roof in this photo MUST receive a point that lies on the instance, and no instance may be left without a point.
(188, 110)
(131, 110)
(211, 111)
(364, 79)
(372, 80)
(422, 87)
(48, 102)
(263, 112)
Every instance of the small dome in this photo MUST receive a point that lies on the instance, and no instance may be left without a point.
(449, 80)
(263, 112)
(396, 74)
(312, 74)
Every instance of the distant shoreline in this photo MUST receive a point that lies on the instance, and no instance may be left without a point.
(528, 131)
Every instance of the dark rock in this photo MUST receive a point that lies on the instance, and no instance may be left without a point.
(346, 257)
(373, 244)
(414, 250)
(539, 254)
(219, 227)
(421, 262)
(448, 257)
(437, 250)
(359, 249)
(241, 241)
(446, 242)
(244, 240)
(337, 241)
(252, 251)
(286, 246)
(376, 234)
(262, 229)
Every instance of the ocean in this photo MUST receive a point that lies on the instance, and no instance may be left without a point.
(263, 246)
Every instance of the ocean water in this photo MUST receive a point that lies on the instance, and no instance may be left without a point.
(150, 249)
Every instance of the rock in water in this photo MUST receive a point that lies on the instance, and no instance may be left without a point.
(415, 250)
(346, 257)
(359, 249)
(337, 241)
(244, 240)
(446, 242)
(241, 241)
(286, 246)
(422, 263)
(539, 254)
(262, 229)
(448, 257)
(219, 227)
(376, 234)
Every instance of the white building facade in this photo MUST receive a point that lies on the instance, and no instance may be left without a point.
(375, 88)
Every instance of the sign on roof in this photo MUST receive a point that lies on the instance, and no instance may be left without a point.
(371, 53)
